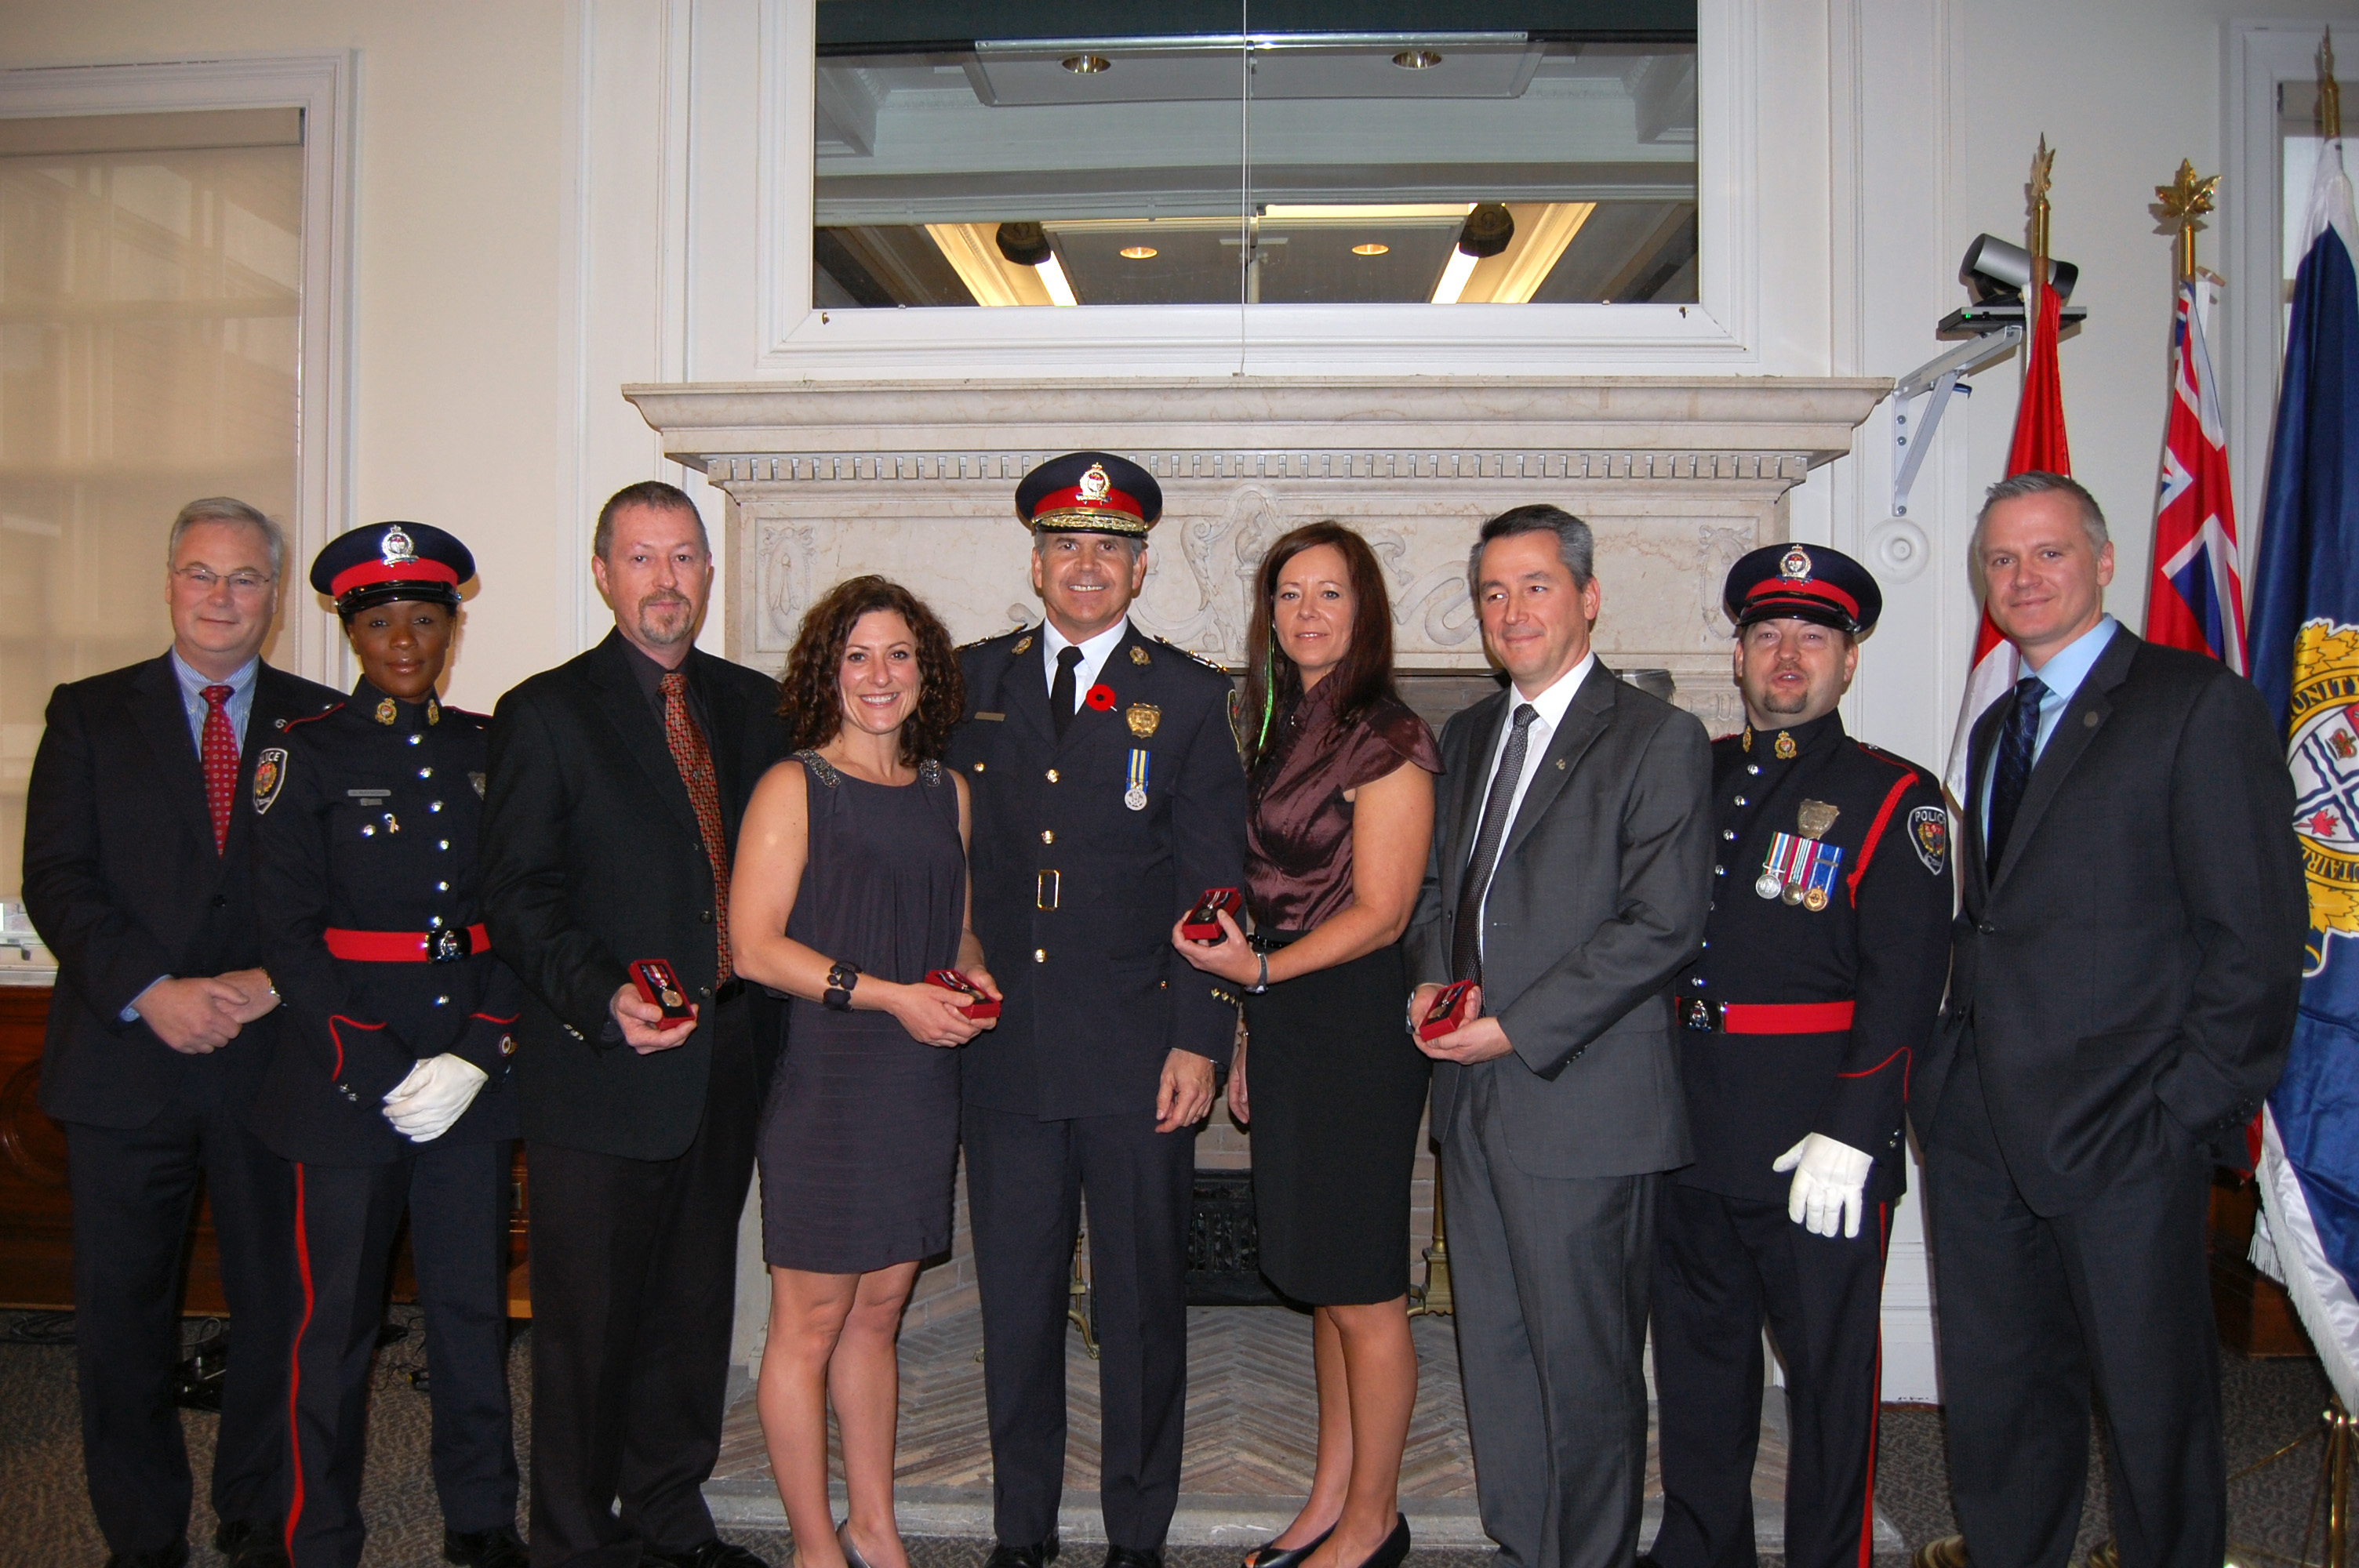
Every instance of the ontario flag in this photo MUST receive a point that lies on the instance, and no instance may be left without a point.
(2196, 599)
(2039, 444)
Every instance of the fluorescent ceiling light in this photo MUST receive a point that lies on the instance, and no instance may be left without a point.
(1403, 212)
(1454, 278)
(1052, 277)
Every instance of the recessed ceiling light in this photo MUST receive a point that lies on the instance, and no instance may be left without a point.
(1408, 60)
(1138, 252)
(1091, 64)
(1370, 249)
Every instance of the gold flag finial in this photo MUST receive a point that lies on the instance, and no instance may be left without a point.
(2042, 163)
(2330, 93)
(2181, 208)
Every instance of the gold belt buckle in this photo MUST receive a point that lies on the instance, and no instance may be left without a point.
(1045, 896)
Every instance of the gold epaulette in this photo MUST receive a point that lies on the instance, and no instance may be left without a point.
(1195, 658)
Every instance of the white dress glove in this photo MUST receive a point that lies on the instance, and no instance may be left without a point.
(436, 1094)
(1830, 1179)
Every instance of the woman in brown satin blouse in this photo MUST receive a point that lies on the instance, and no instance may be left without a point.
(1343, 816)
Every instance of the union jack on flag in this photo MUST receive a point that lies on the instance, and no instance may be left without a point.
(2196, 601)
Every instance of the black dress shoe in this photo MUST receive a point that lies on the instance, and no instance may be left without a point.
(714, 1553)
(173, 1556)
(1123, 1557)
(1270, 1554)
(1038, 1555)
(251, 1542)
(495, 1548)
(1394, 1550)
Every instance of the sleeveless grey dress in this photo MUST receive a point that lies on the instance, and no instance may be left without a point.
(859, 1138)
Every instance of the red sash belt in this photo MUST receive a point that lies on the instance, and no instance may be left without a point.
(407, 947)
(1785, 1018)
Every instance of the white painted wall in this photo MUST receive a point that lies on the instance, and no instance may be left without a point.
(555, 197)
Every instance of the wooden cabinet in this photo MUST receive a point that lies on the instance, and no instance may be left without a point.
(37, 1212)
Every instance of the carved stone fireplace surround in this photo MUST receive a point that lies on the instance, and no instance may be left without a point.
(917, 480)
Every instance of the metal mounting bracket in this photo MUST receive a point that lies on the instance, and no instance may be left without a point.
(1934, 382)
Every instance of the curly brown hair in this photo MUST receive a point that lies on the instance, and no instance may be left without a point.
(808, 696)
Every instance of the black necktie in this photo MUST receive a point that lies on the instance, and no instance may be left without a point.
(1466, 941)
(2019, 740)
(1061, 690)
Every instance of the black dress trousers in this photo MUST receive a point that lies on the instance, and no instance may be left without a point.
(2036, 1308)
(1024, 1176)
(134, 1191)
(633, 1295)
(1723, 1267)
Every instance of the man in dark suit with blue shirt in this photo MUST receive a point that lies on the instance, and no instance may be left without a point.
(160, 1029)
(1107, 797)
(2123, 978)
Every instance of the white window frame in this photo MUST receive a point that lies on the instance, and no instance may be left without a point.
(319, 83)
(1719, 331)
(2260, 57)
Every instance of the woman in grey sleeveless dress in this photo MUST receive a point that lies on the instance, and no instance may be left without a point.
(850, 890)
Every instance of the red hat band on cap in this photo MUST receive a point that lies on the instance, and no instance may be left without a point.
(1786, 587)
(376, 571)
(1079, 497)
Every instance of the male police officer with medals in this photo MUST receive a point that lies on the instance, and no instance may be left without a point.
(1823, 963)
(390, 1087)
(1107, 797)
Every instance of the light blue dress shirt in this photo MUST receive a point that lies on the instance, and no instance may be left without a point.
(2061, 676)
(240, 705)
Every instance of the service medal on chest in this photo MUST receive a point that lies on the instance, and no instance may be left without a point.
(1135, 796)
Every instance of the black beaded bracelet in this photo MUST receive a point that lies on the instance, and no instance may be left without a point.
(841, 977)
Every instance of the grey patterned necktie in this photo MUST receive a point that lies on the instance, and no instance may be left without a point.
(1466, 941)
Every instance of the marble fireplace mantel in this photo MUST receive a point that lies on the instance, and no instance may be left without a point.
(916, 480)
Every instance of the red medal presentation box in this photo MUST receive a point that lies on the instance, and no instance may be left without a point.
(951, 981)
(659, 988)
(1442, 1016)
(1203, 923)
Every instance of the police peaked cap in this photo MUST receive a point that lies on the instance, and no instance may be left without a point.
(385, 561)
(1806, 582)
(1089, 492)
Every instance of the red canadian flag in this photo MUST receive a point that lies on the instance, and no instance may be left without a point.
(2039, 444)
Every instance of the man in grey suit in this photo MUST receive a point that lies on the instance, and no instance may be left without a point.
(1570, 878)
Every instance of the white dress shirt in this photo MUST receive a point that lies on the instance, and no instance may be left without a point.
(1549, 706)
(1095, 654)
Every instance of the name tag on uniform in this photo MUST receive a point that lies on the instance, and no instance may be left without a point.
(991, 718)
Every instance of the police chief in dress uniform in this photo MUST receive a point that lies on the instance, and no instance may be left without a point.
(390, 1089)
(1823, 961)
(1108, 797)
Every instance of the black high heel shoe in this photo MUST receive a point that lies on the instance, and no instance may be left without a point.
(1394, 1550)
(1270, 1554)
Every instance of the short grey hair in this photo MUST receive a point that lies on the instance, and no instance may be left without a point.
(1136, 543)
(228, 509)
(1575, 545)
(649, 493)
(2037, 481)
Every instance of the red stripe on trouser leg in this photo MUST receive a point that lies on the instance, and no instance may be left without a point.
(1874, 1411)
(295, 1363)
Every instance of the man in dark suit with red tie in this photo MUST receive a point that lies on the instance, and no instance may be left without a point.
(618, 781)
(160, 1028)
(2123, 978)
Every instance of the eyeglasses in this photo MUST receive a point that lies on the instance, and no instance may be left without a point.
(245, 585)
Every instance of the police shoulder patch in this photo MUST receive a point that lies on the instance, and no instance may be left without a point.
(1929, 834)
(269, 777)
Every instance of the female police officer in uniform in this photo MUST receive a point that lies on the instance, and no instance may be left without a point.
(389, 1090)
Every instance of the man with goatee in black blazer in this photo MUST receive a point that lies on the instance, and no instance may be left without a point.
(618, 781)
(161, 1027)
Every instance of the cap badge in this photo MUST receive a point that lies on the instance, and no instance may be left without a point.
(1143, 719)
(1094, 485)
(395, 549)
(1795, 566)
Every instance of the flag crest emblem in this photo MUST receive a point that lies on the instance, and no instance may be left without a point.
(2323, 752)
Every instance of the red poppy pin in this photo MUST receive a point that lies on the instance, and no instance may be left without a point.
(1101, 698)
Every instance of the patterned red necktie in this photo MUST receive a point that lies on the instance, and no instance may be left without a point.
(219, 755)
(694, 760)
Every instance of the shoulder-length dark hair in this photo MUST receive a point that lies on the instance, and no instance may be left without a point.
(809, 695)
(1272, 682)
